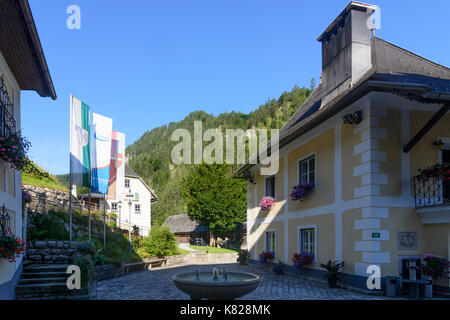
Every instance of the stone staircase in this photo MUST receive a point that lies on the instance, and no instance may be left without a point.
(46, 281)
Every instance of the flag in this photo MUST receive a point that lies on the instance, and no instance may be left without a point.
(80, 158)
(101, 152)
(116, 168)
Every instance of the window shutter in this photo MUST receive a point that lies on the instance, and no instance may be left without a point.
(136, 196)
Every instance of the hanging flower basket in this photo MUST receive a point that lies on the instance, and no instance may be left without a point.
(11, 247)
(266, 203)
(13, 149)
(439, 171)
(300, 191)
(302, 259)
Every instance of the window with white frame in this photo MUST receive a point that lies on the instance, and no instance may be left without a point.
(307, 170)
(127, 183)
(307, 240)
(114, 206)
(271, 239)
(270, 187)
(137, 208)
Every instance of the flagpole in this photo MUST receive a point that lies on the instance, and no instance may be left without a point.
(89, 214)
(104, 223)
(70, 179)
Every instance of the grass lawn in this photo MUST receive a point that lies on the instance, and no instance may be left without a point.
(213, 249)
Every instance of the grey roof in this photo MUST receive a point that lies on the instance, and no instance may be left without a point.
(394, 70)
(130, 172)
(181, 223)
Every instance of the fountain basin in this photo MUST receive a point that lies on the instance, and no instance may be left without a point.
(238, 284)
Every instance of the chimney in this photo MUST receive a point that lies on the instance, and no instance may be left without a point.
(346, 54)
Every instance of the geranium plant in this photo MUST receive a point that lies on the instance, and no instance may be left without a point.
(435, 266)
(302, 259)
(300, 191)
(439, 171)
(13, 149)
(266, 203)
(11, 247)
(264, 256)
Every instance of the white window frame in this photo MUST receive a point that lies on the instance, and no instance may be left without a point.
(265, 240)
(135, 211)
(299, 239)
(275, 185)
(315, 167)
(112, 206)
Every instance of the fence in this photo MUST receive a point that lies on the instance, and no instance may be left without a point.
(431, 192)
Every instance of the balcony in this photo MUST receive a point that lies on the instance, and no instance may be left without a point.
(432, 200)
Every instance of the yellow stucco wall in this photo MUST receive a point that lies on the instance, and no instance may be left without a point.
(323, 194)
(325, 237)
(349, 236)
(349, 161)
(392, 145)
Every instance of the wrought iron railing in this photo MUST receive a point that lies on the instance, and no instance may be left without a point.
(7, 121)
(431, 192)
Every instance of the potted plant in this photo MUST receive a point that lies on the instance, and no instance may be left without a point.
(435, 266)
(279, 267)
(300, 191)
(266, 203)
(243, 257)
(264, 256)
(333, 271)
(302, 259)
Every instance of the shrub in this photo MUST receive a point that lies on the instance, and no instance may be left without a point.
(161, 242)
(86, 268)
(44, 227)
(435, 266)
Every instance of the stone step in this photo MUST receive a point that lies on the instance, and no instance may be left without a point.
(40, 280)
(46, 268)
(54, 274)
(42, 289)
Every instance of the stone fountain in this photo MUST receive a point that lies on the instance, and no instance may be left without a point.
(218, 286)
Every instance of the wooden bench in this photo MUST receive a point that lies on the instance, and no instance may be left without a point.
(147, 264)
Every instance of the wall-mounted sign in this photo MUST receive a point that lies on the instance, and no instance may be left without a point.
(376, 235)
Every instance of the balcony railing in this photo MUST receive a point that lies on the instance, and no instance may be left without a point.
(431, 192)
(7, 121)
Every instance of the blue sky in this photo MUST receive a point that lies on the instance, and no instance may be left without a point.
(145, 63)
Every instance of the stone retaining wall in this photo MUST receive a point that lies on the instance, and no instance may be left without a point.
(209, 258)
(47, 251)
(109, 271)
(44, 198)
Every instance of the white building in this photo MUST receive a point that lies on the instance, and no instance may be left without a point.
(132, 202)
(22, 67)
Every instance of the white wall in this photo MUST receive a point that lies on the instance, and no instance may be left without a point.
(12, 202)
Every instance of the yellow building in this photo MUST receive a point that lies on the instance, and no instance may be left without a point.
(22, 67)
(379, 115)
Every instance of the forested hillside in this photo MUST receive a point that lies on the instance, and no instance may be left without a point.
(150, 155)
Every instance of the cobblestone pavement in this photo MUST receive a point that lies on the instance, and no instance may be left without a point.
(156, 284)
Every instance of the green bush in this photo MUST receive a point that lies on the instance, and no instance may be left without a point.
(161, 242)
(45, 227)
(87, 269)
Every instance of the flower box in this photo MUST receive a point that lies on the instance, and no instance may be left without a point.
(13, 148)
(266, 203)
(300, 191)
(439, 171)
(264, 256)
(301, 259)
